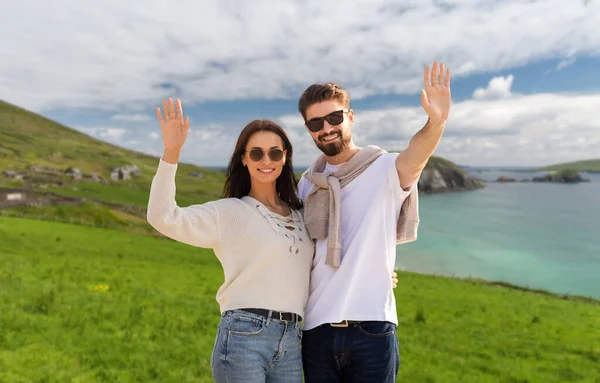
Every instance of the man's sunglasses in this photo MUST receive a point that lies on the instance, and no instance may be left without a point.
(257, 154)
(333, 118)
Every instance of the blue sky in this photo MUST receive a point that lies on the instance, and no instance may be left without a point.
(525, 75)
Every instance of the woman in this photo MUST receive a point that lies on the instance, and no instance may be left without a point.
(258, 235)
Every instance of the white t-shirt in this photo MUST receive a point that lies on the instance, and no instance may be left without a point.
(361, 288)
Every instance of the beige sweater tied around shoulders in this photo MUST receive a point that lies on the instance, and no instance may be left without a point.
(322, 205)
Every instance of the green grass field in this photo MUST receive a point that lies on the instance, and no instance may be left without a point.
(84, 304)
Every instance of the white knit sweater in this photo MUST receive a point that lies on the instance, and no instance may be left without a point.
(266, 265)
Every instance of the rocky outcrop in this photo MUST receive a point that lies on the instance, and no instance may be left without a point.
(562, 176)
(441, 175)
(503, 179)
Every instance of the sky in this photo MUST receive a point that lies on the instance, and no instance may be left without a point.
(525, 74)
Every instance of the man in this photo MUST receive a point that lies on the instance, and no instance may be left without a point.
(359, 204)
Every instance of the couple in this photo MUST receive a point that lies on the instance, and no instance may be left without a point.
(321, 254)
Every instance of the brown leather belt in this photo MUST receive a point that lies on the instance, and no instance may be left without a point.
(282, 316)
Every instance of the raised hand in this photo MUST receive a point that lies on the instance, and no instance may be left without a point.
(435, 95)
(174, 128)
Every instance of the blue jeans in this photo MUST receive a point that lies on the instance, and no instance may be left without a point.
(362, 352)
(251, 348)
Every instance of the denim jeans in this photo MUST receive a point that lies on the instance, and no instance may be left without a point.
(251, 348)
(363, 352)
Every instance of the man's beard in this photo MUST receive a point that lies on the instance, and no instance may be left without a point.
(336, 147)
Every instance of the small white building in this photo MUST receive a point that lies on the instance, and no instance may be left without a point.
(74, 173)
(15, 196)
(125, 172)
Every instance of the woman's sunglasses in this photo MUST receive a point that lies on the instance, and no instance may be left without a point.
(257, 154)
(333, 118)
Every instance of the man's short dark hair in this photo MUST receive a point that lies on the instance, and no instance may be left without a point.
(322, 92)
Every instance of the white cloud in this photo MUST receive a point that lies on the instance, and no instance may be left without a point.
(138, 117)
(498, 87)
(566, 63)
(465, 69)
(568, 60)
(119, 56)
(109, 134)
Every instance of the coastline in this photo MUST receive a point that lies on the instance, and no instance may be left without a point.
(503, 284)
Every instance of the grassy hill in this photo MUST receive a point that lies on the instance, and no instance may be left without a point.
(43, 150)
(101, 305)
(580, 166)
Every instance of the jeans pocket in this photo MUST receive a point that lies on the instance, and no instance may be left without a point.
(245, 326)
(377, 329)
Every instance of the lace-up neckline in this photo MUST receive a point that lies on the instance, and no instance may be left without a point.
(289, 226)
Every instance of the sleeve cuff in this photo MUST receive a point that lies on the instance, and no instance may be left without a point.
(167, 168)
(397, 189)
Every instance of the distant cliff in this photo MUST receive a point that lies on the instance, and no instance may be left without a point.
(591, 166)
(564, 176)
(441, 175)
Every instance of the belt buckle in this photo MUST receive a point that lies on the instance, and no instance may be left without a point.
(281, 317)
(343, 323)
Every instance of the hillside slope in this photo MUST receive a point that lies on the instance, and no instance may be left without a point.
(580, 166)
(41, 155)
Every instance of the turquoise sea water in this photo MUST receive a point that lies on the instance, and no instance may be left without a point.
(538, 235)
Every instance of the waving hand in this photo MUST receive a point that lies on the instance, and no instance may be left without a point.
(174, 127)
(435, 96)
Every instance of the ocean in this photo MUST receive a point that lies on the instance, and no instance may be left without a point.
(536, 235)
